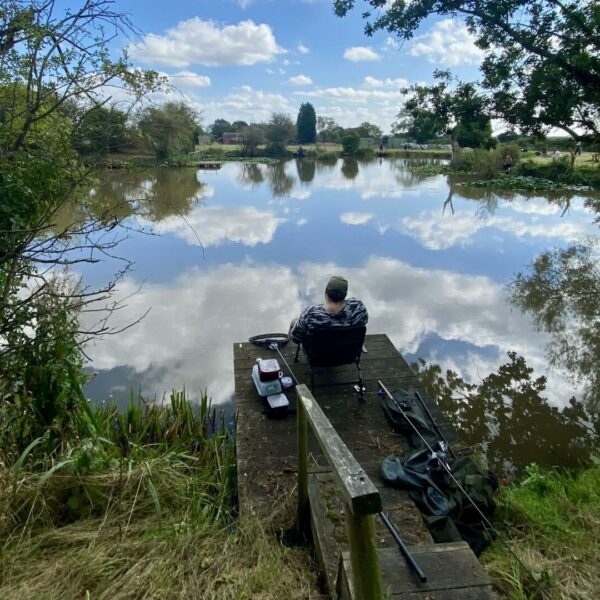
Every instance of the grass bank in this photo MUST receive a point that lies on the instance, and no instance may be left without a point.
(139, 504)
(531, 172)
(552, 522)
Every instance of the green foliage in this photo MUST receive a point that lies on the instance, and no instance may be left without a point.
(280, 128)
(542, 59)
(369, 130)
(169, 129)
(350, 143)
(42, 397)
(329, 130)
(526, 184)
(276, 149)
(306, 124)
(219, 127)
(551, 519)
(101, 130)
(50, 67)
(253, 136)
(459, 111)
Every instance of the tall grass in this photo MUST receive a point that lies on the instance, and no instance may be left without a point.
(552, 520)
(138, 504)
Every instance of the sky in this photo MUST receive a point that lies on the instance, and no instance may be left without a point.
(244, 59)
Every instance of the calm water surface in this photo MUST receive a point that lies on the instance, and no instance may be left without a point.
(228, 254)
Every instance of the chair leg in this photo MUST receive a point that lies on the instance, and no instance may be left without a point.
(297, 351)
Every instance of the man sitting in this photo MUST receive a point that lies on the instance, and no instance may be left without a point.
(337, 311)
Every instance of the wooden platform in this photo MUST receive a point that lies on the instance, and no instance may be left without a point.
(267, 457)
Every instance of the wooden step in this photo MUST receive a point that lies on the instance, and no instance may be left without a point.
(453, 572)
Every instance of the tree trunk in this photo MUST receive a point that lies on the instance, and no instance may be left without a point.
(455, 152)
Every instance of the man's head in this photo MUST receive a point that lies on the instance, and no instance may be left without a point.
(336, 289)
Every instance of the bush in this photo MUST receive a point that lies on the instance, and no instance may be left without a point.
(483, 163)
(276, 149)
(351, 143)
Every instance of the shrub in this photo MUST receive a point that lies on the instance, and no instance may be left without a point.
(483, 163)
(276, 149)
(351, 143)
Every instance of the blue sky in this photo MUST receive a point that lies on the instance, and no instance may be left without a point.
(243, 59)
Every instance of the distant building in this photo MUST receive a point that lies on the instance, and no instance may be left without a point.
(367, 143)
(231, 138)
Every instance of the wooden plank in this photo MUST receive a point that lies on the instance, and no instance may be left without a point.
(326, 549)
(357, 489)
(452, 572)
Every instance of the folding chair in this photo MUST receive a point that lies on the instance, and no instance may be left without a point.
(334, 347)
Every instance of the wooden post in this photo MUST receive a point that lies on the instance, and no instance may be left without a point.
(303, 518)
(361, 497)
(366, 575)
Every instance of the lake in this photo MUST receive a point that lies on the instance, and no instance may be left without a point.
(222, 255)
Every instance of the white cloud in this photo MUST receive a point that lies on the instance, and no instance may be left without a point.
(216, 225)
(247, 104)
(439, 232)
(448, 43)
(188, 79)
(186, 338)
(352, 218)
(349, 94)
(360, 53)
(302, 48)
(208, 43)
(391, 44)
(372, 82)
(300, 80)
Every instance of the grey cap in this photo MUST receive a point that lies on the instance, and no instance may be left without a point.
(337, 284)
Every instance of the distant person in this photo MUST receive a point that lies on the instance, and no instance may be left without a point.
(578, 149)
(381, 146)
(337, 311)
(300, 152)
(509, 163)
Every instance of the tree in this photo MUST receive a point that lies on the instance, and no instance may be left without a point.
(306, 124)
(253, 137)
(542, 56)
(170, 129)
(351, 142)
(238, 126)
(280, 128)
(460, 112)
(219, 127)
(417, 122)
(101, 130)
(49, 62)
(369, 130)
(329, 130)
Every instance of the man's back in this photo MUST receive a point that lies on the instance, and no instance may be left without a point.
(353, 313)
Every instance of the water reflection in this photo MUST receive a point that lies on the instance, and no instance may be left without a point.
(250, 174)
(350, 168)
(430, 259)
(509, 418)
(306, 169)
(154, 195)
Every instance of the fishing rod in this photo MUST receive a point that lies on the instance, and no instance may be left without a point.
(484, 519)
(433, 421)
(412, 563)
